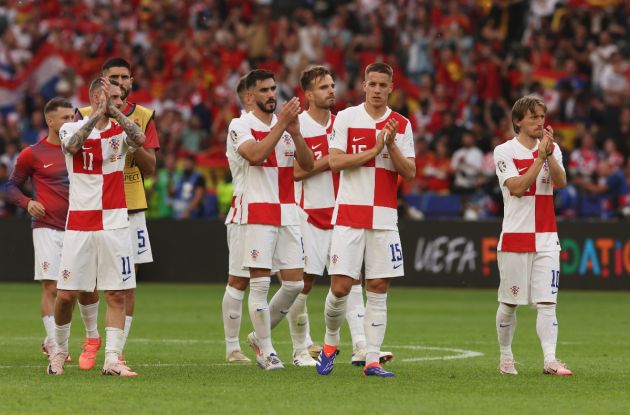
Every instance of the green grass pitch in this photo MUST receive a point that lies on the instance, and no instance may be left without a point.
(176, 345)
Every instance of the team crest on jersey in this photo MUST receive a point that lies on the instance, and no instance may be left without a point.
(501, 166)
(334, 258)
(286, 138)
(45, 266)
(331, 136)
(114, 143)
(65, 274)
(514, 290)
(255, 253)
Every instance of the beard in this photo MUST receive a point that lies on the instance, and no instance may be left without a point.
(326, 104)
(263, 107)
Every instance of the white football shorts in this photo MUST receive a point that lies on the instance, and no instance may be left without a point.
(528, 277)
(101, 260)
(140, 242)
(47, 244)
(316, 244)
(235, 238)
(272, 247)
(380, 248)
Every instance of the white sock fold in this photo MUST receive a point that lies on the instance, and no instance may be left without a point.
(298, 322)
(114, 339)
(89, 315)
(334, 314)
(375, 324)
(547, 329)
(259, 312)
(355, 315)
(232, 312)
(49, 326)
(62, 334)
(283, 299)
(506, 326)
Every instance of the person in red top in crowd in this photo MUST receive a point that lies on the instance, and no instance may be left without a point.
(438, 168)
(45, 165)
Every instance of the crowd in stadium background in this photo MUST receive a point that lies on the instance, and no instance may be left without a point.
(459, 66)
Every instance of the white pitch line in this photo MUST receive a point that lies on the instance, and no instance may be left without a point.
(453, 352)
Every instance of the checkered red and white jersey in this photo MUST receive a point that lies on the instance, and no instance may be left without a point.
(318, 193)
(367, 196)
(529, 222)
(269, 193)
(97, 186)
(238, 168)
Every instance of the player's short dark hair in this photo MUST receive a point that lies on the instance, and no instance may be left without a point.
(256, 75)
(56, 103)
(241, 87)
(524, 104)
(116, 62)
(380, 67)
(310, 75)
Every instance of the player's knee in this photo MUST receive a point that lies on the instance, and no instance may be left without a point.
(65, 296)
(309, 281)
(239, 283)
(295, 287)
(379, 286)
(340, 290)
(507, 308)
(115, 298)
(546, 308)
(49, 288)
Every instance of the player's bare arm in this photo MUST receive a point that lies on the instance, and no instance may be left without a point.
(341, 161)
(145, 159)
(257, 151)
(318, 166)
(135, 136)
(303, 154)
(75, 142)
(558, 175)
(518, 186)
(406, 167)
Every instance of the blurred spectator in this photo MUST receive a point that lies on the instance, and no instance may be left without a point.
(438, 169)
(459, 65)
(161, 188)
(189, 191)
(466, 164)
(583, 161)
(613, 186)
(6, 209)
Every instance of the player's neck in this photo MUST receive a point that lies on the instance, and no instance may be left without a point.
(375, 112)
(527, 141)
(102, 122)
(319, 115)
(263, 116)
(53, 137)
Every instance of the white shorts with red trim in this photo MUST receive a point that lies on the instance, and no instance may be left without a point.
(316, 243)
(380, 248)
(48, 244)
(235, 249)
(140, 242)
(528, 277)
(272, 247)
(101, 260)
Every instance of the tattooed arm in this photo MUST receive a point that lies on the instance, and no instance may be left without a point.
(135, 136)
(76, 140)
